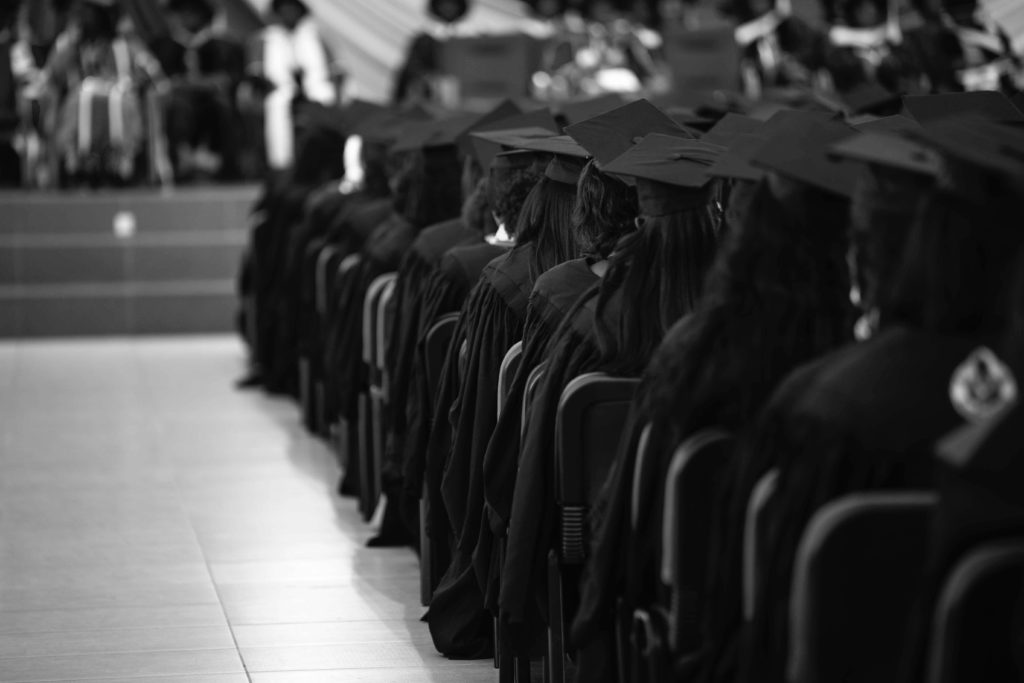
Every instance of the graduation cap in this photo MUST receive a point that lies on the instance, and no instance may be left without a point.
(890, 150)
(691, 118)
(729, 127)
(565, 169)
(581, 110)
(803, 155)
(519, 159)
(869, 98)
(982, 145)
(608, 135)
(435, 133)
(503, 110)
(485, 148)
(562, 145)
(736, 161)
(990, 105)
(896, 124)
(388, 125)
(661, 165)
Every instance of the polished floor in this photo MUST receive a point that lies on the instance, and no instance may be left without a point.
(158, 525)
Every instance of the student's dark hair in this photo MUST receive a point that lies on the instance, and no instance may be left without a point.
(885, 205)
(435, 191)
(99, 21)
(776, 297)
(476, 210)
(320, 156)
(605, 212)
(957, 267)
(656, 275)
(374, 157)
(546, 222)
(508, 190)
(471, 175)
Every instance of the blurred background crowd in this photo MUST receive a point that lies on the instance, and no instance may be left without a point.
(125, 92)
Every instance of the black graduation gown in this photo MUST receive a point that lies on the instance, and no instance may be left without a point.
(382, 253)
(446, 291)
(464, 418)
(407, 313)
(348, 231)
(554, 295)
(980, 483)
(281, 209)
(864, 418)
(532, 521)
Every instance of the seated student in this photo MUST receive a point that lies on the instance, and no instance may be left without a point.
(410, 305)
(654, 278)
(511, 178)
(279, 210)
(491, 321)
(866, 417)
(93, 64)
(295, 64)
(980, 500)
(775, 299)
(430, 195)
(202, 119)
(606, 211)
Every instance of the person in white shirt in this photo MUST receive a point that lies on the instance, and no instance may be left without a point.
(296, 66)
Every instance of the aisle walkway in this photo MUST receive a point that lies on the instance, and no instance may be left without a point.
(156, 524)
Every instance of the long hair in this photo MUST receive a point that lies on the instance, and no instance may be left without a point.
(435, 192)
(957, 269)
(546, 222)
(373, 156)
(507, 192)
(885, 205)
(476, 210)
(656, 276)
(775, 298)
(605, 212)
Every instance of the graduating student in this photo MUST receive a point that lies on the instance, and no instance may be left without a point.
(775, 299)
(511, 178)
(493, 319)
(654, 278)
(980, 501)
(279, 210)
(431, 194)
(866, 417)
(605, 212)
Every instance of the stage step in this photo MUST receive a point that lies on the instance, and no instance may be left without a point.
(119, 263)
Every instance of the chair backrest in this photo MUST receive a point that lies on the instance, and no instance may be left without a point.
(381, 337)
(370, 301)
(532, 382)
(760, 497)
(323, 261)
(982, 603)
(695, 478)
(437, 341)
(639, 466)
(509, 366)
(859, 568)
(592, 414)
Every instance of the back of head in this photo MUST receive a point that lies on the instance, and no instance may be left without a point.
(605, 211)
(434, 187)
(508, 191)
(546, 222)
(775, 298)
(476, 210)
(885, 205)
(958, 266)
(656, 276)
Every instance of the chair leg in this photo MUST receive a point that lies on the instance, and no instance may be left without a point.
(556, 626)
(426, 588)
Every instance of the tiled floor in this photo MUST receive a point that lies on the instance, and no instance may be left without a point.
(158, 525)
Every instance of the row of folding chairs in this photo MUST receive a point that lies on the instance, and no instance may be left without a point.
(860, 565)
